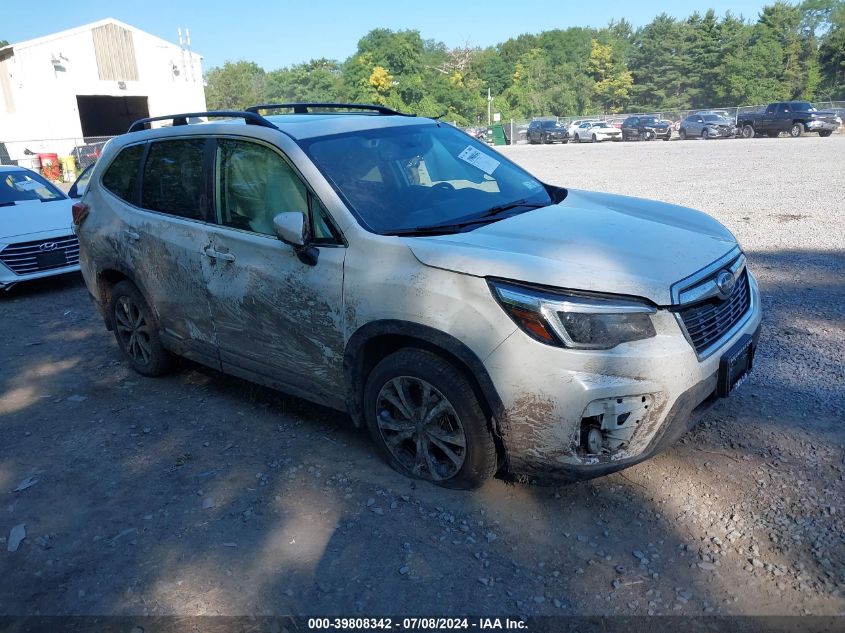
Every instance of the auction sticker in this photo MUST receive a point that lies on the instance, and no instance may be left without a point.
(485, 163)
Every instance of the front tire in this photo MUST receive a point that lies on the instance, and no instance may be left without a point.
(796, 130)
(426, 420)
(595, 139)
(136, 330)
(825, 133)
(747, 131)
(577, 138)
(682, 133)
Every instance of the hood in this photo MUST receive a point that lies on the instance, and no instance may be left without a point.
(34, 216)
(589, 241)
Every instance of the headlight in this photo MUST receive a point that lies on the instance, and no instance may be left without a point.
(579, 322)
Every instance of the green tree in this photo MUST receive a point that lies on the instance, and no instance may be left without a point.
(316, 80)
(659, 63)
(832, 52)
(235, 86)
(613, 81)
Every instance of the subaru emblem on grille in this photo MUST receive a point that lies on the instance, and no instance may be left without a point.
(725, 282)
(48, 246)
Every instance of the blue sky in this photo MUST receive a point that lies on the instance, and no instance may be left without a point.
(276, 34)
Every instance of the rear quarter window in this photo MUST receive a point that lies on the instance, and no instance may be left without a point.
(121, 177)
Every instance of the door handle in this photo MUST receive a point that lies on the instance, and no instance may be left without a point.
(215, 254)
(132, 236)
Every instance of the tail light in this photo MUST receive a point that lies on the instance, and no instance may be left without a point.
(80, 212)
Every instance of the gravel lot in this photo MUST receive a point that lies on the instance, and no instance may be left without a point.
(201, 494)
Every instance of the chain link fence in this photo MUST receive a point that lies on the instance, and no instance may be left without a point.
(59, 159)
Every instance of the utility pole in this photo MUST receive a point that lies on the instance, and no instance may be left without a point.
(489, 106)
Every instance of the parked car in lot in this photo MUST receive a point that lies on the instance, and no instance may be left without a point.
(793, 117)
(469, 315)
(84, 155)
(36, 239)
(645, 128)
(572, 128)
(546, 131)
(595, 132)
(706, 126)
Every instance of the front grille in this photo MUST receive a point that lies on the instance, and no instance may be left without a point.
(708, 321)
(33, 257)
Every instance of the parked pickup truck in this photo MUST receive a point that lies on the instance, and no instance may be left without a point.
(793, 117)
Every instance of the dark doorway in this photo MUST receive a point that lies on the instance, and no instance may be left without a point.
(108, 116)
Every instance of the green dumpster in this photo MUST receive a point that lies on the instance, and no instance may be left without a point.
(499, 134)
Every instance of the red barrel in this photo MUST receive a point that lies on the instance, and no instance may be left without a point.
(50, 166)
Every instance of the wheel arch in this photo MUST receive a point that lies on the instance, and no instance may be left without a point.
(376, 340)
(107, 278)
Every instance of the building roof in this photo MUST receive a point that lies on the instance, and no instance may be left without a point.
(87, 27)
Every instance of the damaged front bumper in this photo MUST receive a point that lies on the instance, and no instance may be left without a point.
(571, 414)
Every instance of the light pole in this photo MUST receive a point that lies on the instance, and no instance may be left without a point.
(489, 106)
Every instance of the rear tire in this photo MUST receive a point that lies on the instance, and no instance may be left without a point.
(455, 447)
(577, 139)
(136, 330)
(796, 130)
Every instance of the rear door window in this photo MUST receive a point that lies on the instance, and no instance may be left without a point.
(121, 177)
(174, 181)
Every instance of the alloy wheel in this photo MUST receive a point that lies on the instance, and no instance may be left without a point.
(133, 330)
(420, 428)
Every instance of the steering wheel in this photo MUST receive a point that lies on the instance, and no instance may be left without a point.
(445, 186)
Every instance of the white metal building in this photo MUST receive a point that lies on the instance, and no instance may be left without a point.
(62, 90)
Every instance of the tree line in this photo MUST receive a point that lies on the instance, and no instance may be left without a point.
(791, 51)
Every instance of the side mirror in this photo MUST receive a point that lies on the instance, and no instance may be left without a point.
(292, 228)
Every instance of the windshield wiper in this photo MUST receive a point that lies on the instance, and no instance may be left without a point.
(440, 229)
(454, 227)
(510, 206)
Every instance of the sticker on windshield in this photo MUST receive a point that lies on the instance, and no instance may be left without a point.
(531, 184)
(28, 185)
(485, 163)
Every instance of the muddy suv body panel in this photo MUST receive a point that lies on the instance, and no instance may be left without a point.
(238, 299)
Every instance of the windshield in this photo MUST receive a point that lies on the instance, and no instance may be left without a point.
(550, 124)
(648, 120)
(20, 186)
(602, 124)
(713, 117)
(400, 179)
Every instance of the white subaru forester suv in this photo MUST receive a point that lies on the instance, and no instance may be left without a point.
(472, 317)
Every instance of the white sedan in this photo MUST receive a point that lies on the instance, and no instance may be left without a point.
(595, 132)
(36, 239)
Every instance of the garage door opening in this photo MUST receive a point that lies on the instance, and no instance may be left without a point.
(108, 116)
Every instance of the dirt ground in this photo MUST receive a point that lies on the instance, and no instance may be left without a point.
(200, 494)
